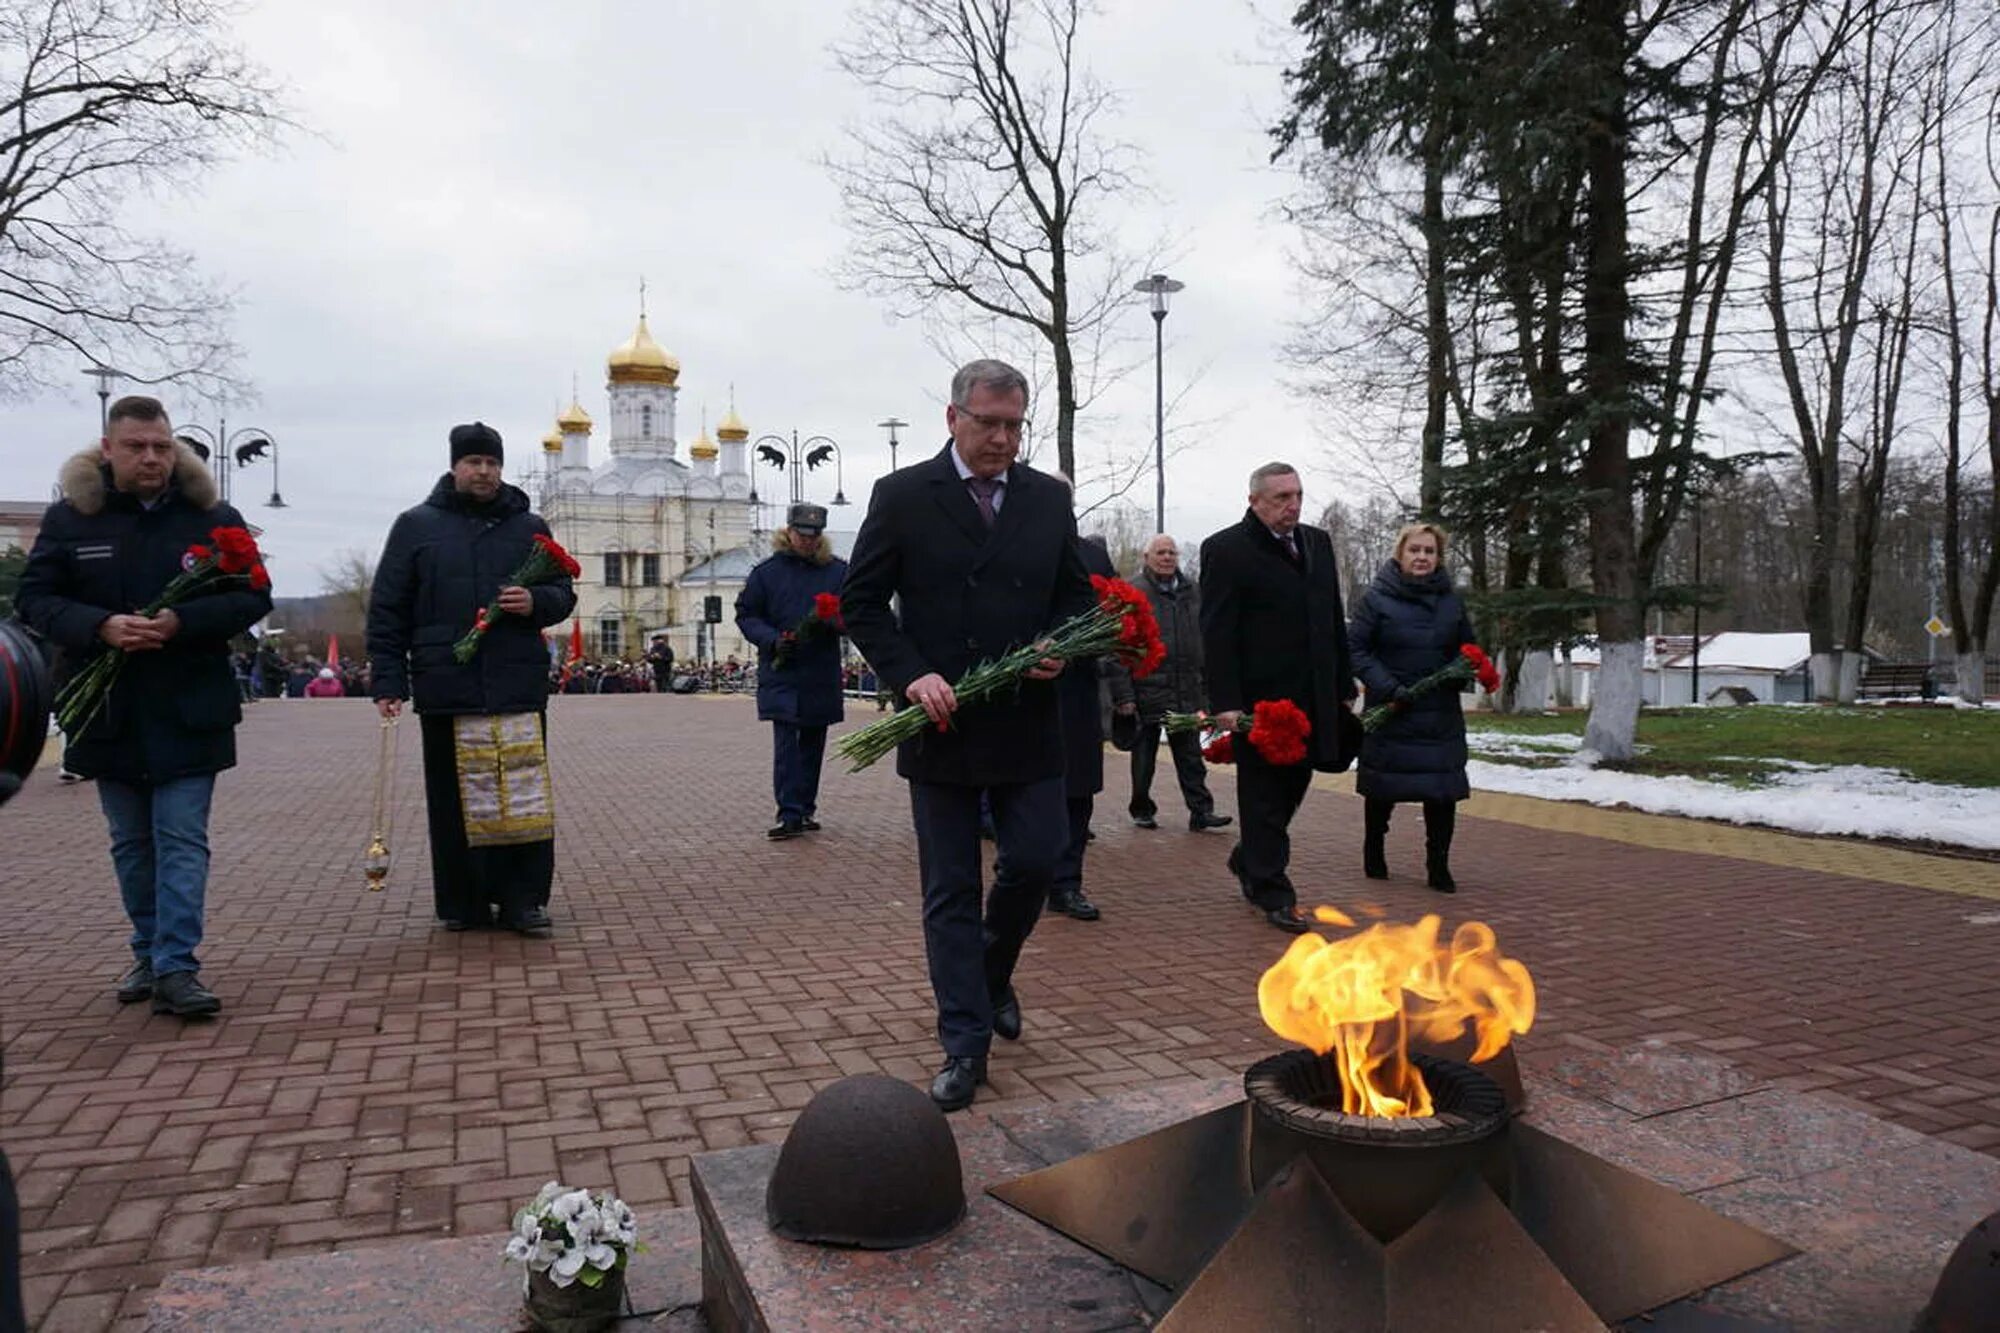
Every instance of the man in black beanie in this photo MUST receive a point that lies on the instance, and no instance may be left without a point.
(486, 785)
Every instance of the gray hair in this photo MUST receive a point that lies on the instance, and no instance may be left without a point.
(1269, 470)
(987, 374)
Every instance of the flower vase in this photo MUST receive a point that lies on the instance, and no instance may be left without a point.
(575, 1308)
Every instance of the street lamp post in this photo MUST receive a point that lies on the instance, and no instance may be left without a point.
(893, 424)
(800, 456)
(1694, 669)
(104, 375)
(1159, 287)
(220, 445)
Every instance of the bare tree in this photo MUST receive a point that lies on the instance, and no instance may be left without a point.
(984, 188)
(101, 103)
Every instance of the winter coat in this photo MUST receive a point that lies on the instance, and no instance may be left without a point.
(321, 687)
(1079, 701)
(173, 711)
(1272, 629)
(1404, 629)
(779, 593)
(932, 588)
(444, 561)
(1177, 686)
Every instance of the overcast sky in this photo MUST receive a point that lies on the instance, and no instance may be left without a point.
(484, 186)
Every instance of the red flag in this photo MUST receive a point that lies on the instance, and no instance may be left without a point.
(333, 651)
(576, 641)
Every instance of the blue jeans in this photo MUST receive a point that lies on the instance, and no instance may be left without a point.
(159, 845)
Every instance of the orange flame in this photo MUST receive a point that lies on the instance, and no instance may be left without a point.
(1361, 996)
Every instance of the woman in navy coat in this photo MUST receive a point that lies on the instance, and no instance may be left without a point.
(1408, 623)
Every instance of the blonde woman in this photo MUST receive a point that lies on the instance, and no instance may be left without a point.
(1408, 623)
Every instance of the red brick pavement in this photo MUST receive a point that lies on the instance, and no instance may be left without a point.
(374, 1078)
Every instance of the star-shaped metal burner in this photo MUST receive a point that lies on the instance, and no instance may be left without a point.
(1276, 1213)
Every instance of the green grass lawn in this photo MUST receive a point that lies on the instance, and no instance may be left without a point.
(1951, 745)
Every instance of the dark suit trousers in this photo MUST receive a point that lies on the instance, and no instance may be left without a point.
(1266, 799)
(1068, 877)
(1188, 767)
(972, 953)
(467, 882)
(797, 753)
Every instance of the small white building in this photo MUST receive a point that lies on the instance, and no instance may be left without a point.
(1771, 667)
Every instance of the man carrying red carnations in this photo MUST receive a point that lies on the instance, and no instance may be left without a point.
(466, 583)
(142, 578)
(790, 608)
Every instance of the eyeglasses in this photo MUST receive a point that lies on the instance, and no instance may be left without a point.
(1012, 425)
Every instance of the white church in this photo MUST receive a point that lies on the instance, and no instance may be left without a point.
(656, 533)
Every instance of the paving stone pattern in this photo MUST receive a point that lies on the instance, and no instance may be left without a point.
(373, 1078)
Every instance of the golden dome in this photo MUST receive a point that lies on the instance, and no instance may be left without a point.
(574, 418)
(731, 427)
(552, 442)
(703, 447)
(640, 360)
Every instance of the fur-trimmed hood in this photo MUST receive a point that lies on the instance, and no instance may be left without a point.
(85, 478)
(781, 544)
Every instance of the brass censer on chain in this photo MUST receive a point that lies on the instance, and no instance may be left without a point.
(375, 861)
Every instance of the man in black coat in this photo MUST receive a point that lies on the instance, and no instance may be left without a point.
(978, 553)
(1176, 687)
(130, 510)
(492, 841)
(1273, 628)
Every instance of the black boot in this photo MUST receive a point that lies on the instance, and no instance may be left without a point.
(1375, 827)
(1440, 817)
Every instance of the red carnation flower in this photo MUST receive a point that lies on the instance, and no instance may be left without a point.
(260, 578)
(1278, 731)
(1483, 669)
(1221, 749)
(826, 606)
(198, 553)
(236, 550)
(563, 560)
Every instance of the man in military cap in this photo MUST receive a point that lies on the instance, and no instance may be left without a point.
(486, 787)
(798, 660)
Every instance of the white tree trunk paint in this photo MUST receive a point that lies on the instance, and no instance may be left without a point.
(1825, 683)
(1566, 682)
(1850, 675)
(1533, 688)
(1972, 676)
(1614, 704)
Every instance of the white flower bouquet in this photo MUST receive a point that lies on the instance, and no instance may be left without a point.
(571, 1236)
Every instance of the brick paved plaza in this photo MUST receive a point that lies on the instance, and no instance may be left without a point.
(373, 1077)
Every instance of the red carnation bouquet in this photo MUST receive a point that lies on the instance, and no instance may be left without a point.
(824, 619)
(1277, 729)
(1122, 624)
(546, 559)
(229, 554)
(1472, 663)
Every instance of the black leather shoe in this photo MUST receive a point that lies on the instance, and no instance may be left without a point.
(1288, 919)
(182, 995)
(1007, 1017)
(137, 983)
(532, 921)
(958, 1081)
(785, 829)
(1196, 823)
(1438, 873)
(809, 825)
(1074, 905)
(1144, 821)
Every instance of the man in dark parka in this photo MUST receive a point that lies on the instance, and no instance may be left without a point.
(800, 694)
(130, 510)
(444, 561)
(1273, 628)
(962, 557)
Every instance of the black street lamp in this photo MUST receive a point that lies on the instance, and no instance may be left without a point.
(800, 456)
(1159, 287)
(104, 375)
(893, 425)
(221, 445)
